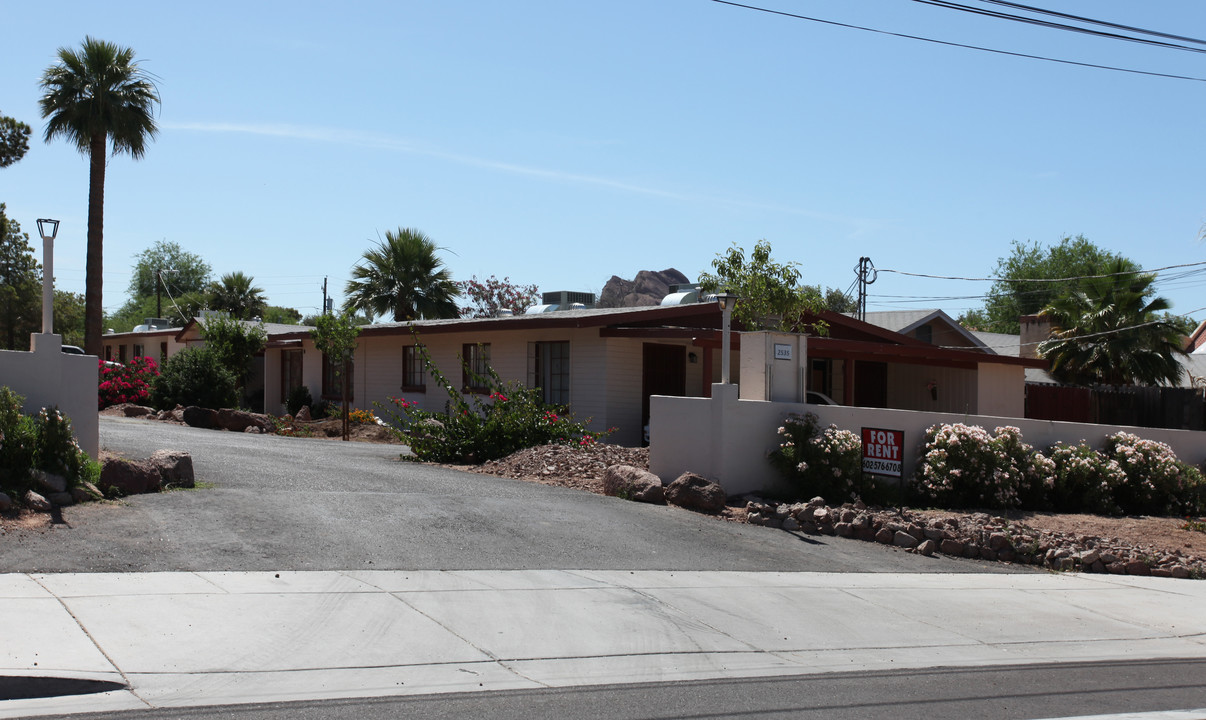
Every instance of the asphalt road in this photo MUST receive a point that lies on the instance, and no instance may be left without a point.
(1065, 690)
(277, 503)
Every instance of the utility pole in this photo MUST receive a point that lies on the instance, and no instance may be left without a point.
(867, 274)
(324, 294)
(158, 288)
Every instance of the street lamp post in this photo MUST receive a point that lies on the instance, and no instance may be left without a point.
(48, 229)
(726, 301)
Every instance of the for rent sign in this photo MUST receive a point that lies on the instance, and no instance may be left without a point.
(882, 451)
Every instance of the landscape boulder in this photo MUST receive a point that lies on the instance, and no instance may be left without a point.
(303, 415)
(199, 417)
(240, 420)
(695, 492)
(129, 477)
(633, 483)
(36, 502)
(49, 482)
(175, 468)
(6, 503)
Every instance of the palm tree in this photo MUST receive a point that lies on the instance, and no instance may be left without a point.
(403, 276)
(1107, 331)
(92, 96)
(235, 294)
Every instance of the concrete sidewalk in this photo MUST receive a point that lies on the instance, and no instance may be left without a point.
(182, 639)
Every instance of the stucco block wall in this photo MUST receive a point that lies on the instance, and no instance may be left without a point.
(47, 377)
(727, 440)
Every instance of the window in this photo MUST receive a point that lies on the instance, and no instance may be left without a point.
(925, 334)
(475, 359)
(549, 370)
(108, 353)
(332, 382)
(291, 372)
(121, 354)
(162, 353)
(414, 376)
(138, 351)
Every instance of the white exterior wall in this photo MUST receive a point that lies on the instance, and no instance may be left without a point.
(727, 440)
(47, 377)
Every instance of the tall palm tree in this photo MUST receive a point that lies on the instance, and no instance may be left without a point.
(1108, 331)
(92, 96)
(235, 294)
(402, 276)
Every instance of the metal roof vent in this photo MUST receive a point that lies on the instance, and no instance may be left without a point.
(504, 313)
(537, 309)
(681, 298)
(566, 298)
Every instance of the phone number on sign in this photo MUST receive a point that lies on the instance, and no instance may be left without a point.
(887, 467)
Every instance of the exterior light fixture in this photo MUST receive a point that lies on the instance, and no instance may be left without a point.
(727, 302)
(48, 229)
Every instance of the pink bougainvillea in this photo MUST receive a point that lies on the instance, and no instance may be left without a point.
(129, 383)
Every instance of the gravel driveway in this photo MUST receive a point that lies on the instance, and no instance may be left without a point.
(277, 503)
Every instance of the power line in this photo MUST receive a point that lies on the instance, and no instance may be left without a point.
(1040, 280)
(1103, 333)
(1091, 21)
(1057, 26)
(960, 45)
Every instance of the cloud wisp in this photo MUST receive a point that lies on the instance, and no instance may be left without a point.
(392, 143)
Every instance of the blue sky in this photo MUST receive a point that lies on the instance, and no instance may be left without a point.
(561, 143)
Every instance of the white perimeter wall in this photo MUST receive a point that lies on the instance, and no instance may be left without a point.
(727, 440)
(47, 377)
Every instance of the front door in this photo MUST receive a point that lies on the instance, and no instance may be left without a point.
(870, 384)
(663, 372)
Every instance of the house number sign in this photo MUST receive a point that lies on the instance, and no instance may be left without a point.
(782, 351)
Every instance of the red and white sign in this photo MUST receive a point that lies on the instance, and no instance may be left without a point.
(882, 451)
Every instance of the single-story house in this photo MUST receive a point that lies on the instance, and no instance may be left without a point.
(606, 363)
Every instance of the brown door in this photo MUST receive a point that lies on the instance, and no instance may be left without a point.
(664, 372)
(870, 384)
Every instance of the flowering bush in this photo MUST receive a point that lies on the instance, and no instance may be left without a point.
(1156, 482)
(1084, 480)
(965, 466)
(828, 462)
(130, 383)
(512, 418)
(365, 417)
(43, 442)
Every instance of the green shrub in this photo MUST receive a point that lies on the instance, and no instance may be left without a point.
(234, 343)
(828, 462)
(1156, 482)
(299, 397)
(513, 418)
(1084, 480)
(18, 444)
(44, 442)
(194, 376)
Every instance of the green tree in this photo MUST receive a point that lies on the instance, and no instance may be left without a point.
(335, 336)
(1025, 280)
(1108, 330)
(14, 140)
(182, 271)
(235, 294)
(20, 286)
(487, 297)
(69, 317)
(402, 278)
(92, 98)
(177, 310)
(234, 343)
(281, 315)
(833, 299)
(770, 294)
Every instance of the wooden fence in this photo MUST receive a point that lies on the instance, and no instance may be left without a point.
(1152, 407)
